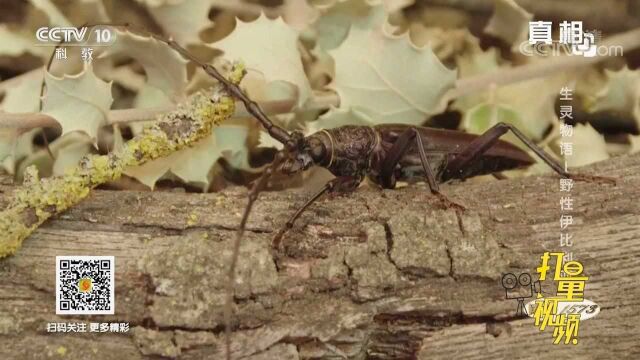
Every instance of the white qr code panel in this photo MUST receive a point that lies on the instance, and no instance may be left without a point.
(85, 285)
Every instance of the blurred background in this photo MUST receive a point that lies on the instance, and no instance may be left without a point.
(451, 61)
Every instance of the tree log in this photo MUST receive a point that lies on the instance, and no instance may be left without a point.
(374, 274)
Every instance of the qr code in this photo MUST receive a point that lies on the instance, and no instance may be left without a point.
(85, 285)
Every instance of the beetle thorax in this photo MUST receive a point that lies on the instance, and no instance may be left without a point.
(350, 149)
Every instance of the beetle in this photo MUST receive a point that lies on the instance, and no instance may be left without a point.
(387, 153)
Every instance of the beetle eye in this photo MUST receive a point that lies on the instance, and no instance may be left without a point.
(305, 160)
(316, 150)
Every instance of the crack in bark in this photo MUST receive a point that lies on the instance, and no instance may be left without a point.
(176, 230)
(460, 223)
(451, 274)
(389, 237)
(394, 341)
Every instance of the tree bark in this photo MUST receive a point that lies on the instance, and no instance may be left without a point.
(375, 274)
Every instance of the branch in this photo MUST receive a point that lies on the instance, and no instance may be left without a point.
(39, 199)
(380, 274)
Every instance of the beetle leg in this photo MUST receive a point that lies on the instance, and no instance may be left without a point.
(338, 184)
(482, 143)
(399, 148)
(499, 176)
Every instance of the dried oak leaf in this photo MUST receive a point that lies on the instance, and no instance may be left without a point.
(388, 78)
(182, 19)
(269, 47)
(78, 102)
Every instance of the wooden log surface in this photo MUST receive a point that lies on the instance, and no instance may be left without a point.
(375, 274)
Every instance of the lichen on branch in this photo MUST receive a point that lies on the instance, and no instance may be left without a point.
(39, 199)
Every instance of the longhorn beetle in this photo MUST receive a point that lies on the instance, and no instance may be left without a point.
(383, 153)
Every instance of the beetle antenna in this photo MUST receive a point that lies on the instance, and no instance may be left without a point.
(277, 132)
(231, 276)
(252, 107)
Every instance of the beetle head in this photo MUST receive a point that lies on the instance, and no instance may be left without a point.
(311, 151)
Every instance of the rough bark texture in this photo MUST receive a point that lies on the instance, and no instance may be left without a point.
(376, 274)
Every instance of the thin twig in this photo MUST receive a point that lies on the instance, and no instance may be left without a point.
(627, 41)
(35, 120)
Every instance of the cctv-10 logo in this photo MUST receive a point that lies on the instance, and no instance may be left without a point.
(98, 36)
